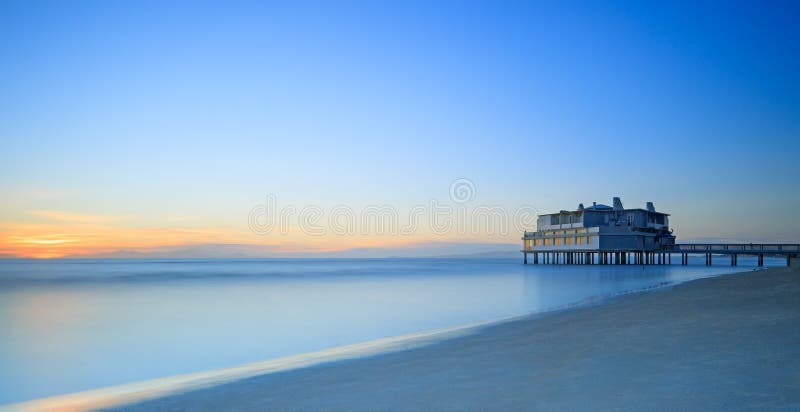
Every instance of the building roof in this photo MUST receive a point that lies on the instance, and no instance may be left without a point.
(598, 207)
(602, 208)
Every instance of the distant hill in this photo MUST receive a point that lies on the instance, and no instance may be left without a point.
(231, 251)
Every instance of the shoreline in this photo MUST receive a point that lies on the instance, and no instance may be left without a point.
(129, 393)
(142, 391)
(176, 391)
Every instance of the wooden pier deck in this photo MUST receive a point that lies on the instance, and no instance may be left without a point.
(662, 256)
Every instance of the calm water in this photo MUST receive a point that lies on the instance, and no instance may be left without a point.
(73, 325)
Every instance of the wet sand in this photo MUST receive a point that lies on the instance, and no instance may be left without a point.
(724, 343)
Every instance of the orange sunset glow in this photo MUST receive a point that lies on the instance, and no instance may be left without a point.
(85, 236)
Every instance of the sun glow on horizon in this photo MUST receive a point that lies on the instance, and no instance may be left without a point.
(59, 239)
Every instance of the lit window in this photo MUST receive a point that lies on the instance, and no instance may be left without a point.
(588, 239)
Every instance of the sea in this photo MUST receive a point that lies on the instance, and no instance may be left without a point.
(72, 325)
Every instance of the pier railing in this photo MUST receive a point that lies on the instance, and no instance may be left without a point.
(736, 248)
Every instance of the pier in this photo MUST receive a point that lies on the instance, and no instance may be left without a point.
(662, 256)
(615, 235)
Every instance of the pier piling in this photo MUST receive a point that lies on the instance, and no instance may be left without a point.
(662, 257)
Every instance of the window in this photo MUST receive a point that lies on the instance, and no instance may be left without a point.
(538, 242)
(579, 240)
(558, 241)
(548, 242)
(589, 239)
(568, 241)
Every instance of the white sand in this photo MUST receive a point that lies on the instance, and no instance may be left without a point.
(726, 343)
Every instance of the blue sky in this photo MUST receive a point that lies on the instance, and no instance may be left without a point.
(163, 115)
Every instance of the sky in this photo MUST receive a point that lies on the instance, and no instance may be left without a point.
(151, 125)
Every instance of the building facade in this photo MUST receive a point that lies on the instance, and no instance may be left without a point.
(601, 228)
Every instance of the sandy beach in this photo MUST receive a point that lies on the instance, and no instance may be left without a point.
(724, 343)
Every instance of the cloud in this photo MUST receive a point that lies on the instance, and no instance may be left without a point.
(423, 249)
(74, 217)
